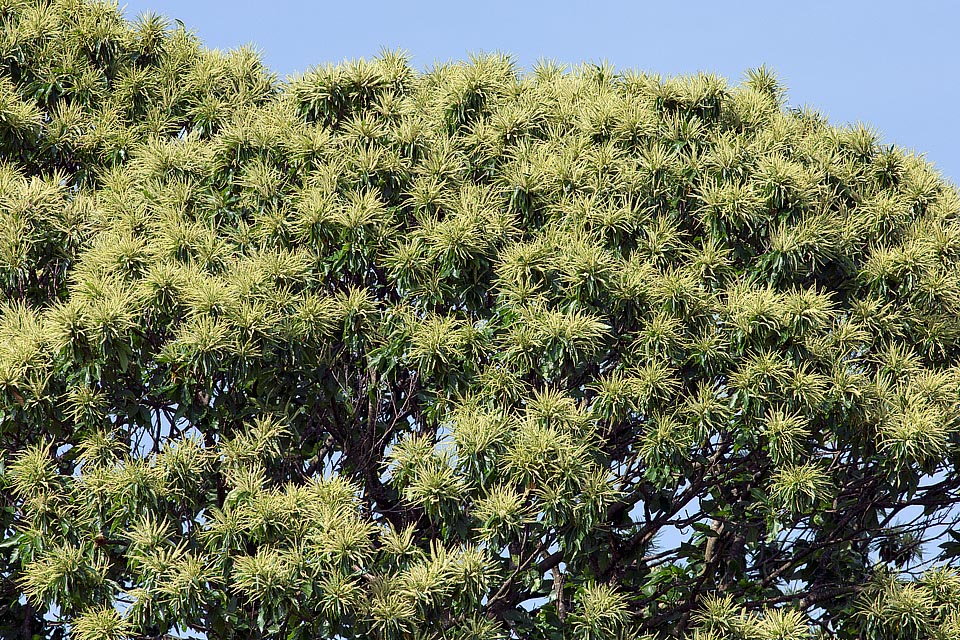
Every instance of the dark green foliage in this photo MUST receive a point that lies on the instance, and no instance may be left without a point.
(468, 353)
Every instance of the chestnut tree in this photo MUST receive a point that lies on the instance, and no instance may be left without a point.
(469, 352)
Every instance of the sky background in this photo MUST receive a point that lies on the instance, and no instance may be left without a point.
(893, 65)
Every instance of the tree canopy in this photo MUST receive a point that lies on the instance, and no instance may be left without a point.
(469, 352)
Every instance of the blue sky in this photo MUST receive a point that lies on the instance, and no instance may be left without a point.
(894, 65)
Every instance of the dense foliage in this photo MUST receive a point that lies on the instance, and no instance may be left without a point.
(467, 353)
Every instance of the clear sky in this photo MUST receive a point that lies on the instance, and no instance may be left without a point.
(892, 64)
